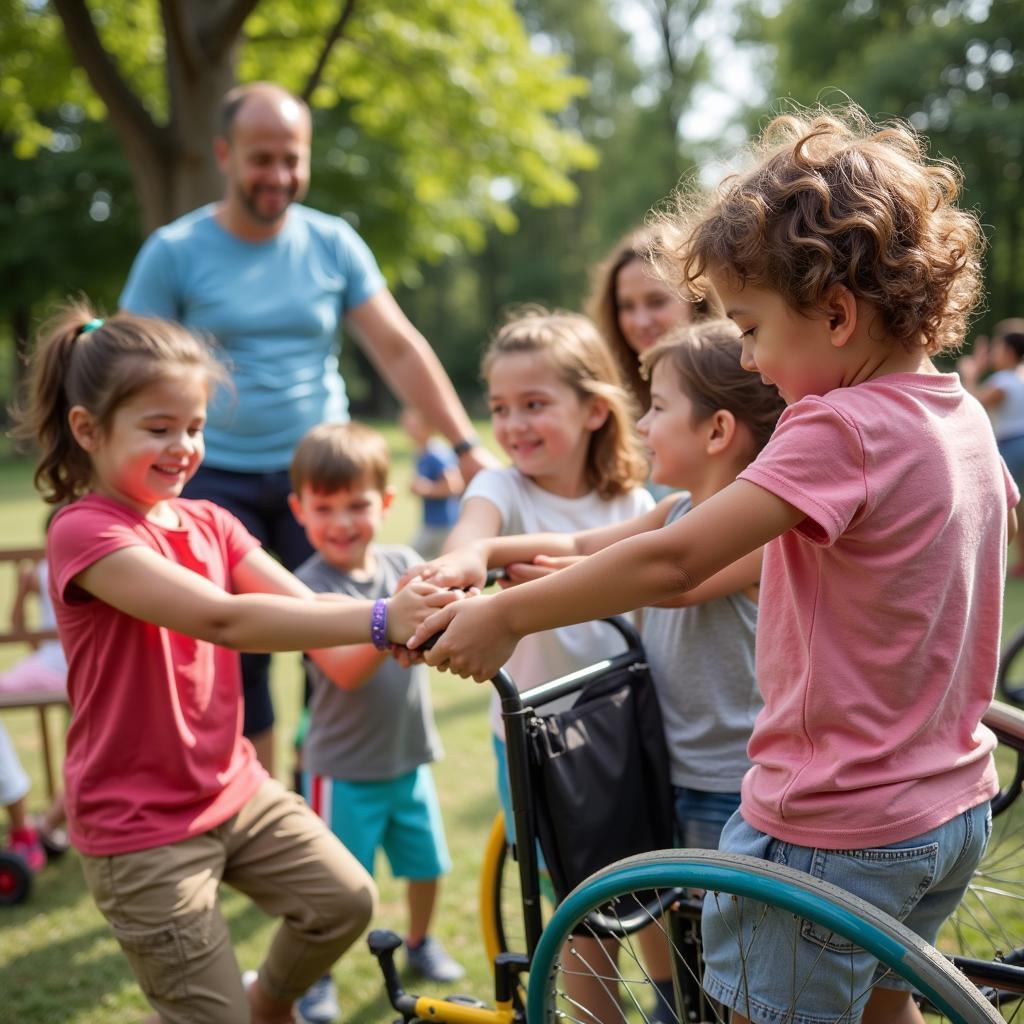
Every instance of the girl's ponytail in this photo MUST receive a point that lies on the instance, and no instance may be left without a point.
(63, 468)
(99, 365)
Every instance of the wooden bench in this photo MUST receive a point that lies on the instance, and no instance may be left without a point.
(18, 631)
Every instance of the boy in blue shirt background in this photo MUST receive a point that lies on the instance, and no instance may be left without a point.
(437, 481)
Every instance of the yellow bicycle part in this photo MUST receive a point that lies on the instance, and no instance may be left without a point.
(494, 852)
(445, 1012)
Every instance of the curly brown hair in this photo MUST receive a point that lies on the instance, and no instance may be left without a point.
(835, 199)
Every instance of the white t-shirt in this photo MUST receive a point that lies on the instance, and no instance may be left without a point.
(1008, 415)
(527, 508)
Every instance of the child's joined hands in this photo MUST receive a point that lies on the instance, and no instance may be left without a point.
(414, 602)
(542, 565)
(465, 567)
(476, 641)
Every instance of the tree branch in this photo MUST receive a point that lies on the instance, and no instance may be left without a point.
(224, 28)
(122, 103)
(332, 37)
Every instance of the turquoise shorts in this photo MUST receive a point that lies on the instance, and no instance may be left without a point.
(918, 881)
(401, 816)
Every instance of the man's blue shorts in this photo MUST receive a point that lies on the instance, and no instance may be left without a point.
(401, 816)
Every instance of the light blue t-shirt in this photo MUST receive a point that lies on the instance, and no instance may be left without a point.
(274, 309)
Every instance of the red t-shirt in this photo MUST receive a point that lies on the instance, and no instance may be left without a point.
(155, 752)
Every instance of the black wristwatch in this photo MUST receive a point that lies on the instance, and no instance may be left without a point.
(467, 444)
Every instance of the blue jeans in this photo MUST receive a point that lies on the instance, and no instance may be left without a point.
(260, 501)
(918, 881)
(701, 816)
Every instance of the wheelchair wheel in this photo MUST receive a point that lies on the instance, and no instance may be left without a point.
(989, 923)
(746, 885)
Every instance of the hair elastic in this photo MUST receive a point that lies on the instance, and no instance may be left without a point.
(379, 624)
(89, 325)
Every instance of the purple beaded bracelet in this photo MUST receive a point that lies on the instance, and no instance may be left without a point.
(379, 624)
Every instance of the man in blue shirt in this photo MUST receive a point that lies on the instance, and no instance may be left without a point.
(272, 281)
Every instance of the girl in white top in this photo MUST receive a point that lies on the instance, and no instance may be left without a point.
(560, 412)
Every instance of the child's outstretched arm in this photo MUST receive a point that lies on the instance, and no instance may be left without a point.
(473, 546)
(743, 574)
(481, 632)
(276, 612)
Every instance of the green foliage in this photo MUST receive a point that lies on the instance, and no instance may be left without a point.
(445, 96)
(68, 217)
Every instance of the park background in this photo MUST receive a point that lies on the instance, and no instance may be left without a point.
(490, 152)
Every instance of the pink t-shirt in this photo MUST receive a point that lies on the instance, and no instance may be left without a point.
(878, 631)
(155, 752)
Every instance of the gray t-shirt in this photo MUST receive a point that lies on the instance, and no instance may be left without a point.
(385, 728)
(702, 664)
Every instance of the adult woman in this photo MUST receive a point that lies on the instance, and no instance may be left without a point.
(634, 308)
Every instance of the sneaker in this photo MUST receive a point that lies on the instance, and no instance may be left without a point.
(432, 961)
(320, 1003)
(54, 840)
(25, 843)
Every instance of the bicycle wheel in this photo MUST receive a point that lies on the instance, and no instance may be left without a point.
(989, 923)
(749, 884)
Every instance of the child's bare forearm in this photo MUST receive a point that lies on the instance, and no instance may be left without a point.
(642, 576)
(652, 567)
(501, 551)
(268, 623)
(349, 667)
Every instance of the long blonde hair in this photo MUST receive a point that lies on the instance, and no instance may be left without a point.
(582, 360)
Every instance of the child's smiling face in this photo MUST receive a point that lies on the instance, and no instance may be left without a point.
(341, 524)
(541, 422)
(154, 442)
(671, 431)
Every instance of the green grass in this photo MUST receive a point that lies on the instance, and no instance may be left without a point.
(58, 961)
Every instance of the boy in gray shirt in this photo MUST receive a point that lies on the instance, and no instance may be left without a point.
(371, 738)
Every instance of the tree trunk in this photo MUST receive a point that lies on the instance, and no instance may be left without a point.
(173, 166)
(197, 79)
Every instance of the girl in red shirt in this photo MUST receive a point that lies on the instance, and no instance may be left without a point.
(154, 596)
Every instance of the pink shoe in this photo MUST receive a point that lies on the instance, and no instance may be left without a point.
(25, 843)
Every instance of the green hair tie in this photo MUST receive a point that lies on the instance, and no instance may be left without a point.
(89, 325)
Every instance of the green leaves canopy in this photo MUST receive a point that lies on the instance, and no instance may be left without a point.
(433, 114)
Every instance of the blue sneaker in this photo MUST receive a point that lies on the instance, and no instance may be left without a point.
(320, 1003)
(432, 961)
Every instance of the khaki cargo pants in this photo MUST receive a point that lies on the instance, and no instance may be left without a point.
(162, 906)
